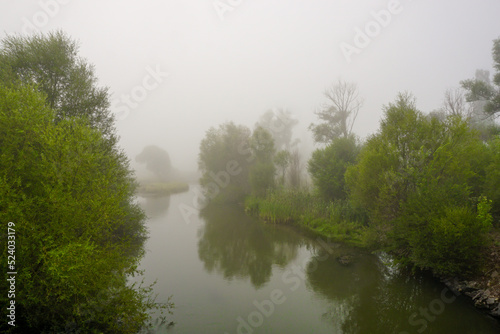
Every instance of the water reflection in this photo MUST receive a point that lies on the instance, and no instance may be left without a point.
(367, 297)
(238, 246)
(322, 294)
(155, 206)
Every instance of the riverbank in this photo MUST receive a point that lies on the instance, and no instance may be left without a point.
(334, 221)
(161, 188)
(339, 222)
(483, 289)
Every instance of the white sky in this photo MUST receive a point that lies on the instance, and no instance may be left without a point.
(262, 55)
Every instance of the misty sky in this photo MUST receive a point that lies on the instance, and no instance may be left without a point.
(191, 64)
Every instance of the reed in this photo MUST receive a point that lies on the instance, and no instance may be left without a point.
(337, 220)
(162, 189)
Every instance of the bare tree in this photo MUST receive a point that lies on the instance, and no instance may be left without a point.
(338, 115)
(456, 104)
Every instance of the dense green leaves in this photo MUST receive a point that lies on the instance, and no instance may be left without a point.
(51, 61)
(327, 167)
(224, 159)
(420, 178)
(79, 233)
(492, 177)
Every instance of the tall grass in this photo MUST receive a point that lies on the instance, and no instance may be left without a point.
(162, 188)
(336, 220)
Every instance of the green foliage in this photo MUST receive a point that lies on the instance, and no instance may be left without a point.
(384, 174)
(478, 90)
(262, 177)
(418, 178)
(79, 234)
(262, 144)
(333, 220)
(447, 238)
(235, 163)
(162, 189)
(261, 173)
(220, 150)
(409, 150)
(492, 177)
(284, 206)
(51, 61)
(327, 167)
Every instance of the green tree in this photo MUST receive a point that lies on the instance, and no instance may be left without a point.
(492, 177)
(327, 167)
(157, 161)
(51, 62)
(481, 90)
(383, 175)
(79, 233)
(420, 179)
(262, 171)
(224, 160)
(262, 144)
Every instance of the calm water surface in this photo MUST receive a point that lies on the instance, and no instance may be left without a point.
(229, 273)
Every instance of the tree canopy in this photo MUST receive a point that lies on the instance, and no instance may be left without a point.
(69, 191)
(157, 161)
(327, 167)
(51, 62)
(235, 162)
(421, 180)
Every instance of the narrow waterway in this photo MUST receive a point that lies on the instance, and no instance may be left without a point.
(229, 273)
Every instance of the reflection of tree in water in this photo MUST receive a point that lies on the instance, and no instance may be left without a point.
(367, 297)
(238, 246)
(363, 297)
(383, 305)
(155, 206)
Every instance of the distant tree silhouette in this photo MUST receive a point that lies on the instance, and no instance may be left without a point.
(157, 161)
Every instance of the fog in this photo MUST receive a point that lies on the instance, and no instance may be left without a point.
(176, 68)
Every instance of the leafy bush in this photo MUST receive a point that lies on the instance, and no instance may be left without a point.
(450, 242)
(79, 234)
(328, 166)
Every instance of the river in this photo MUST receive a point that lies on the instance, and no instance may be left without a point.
(230, 273)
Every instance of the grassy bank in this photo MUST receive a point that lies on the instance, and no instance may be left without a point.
(162, 189)
(336, 221)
